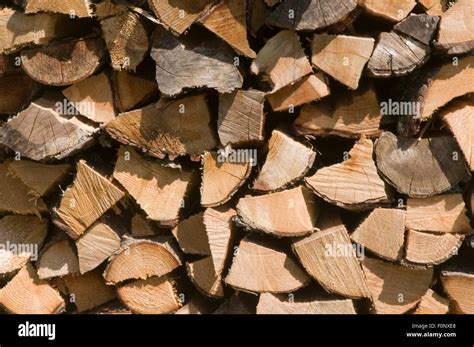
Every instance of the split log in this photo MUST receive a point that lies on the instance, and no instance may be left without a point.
(65, 62)
(393, 11)
(141, 227)
(21, 238)
(288, 213)
(432, 303)
(420, 27)
(87, 199)
(353, 184)
(260, 266)
(96, 245)
(204, 276)
(221, 178)
(395, 289)
(456, 30)
(58, 258)
(232, 129)
(354, 114)
(131, 90)
(192, 62)
(420, 168)
(342, 57)
(158, 190)
(27, 294)
(191, 235)
(73, 8)
(460, 287)
(434, 7)
(281, 61)
(438, 214)
(310, 15)
(174, 127)
(383, 233)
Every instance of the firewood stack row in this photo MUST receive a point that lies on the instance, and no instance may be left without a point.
(232, 156)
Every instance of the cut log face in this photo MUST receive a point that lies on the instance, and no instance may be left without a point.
(132, 90)
(90, 196)
(432, 303)
(456, 30)
(421, 27)
(65, 62)
(160, 191)
(383, 233)
(439, 214)
(420, 168)
(221, 178)
(228, 21)
(460, 287)
(310, 15)
(354, 114)
(27, 294)
(57, 259)
(28, 232)
(281, 61)
(203, 275)
(431, 249)
(271, 304)
(140, 259)
(395, 288)
(391, 10)
(434, 7)
(93, 98)
(74, 8)
(191, 235)
(342, 57)
(329, 257)
(231, 127)
(175, 128)
(212, 64)
(286, 163)
(155, 295)
(97, 244)
(354, 183)
(261, 267)
(288, 213)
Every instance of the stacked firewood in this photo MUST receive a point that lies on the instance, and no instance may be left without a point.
(233, 156)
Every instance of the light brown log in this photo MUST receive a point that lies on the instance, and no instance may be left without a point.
(73, 8)
(392, 10)
(204, 276)
(191, 235)
(434, 7)
(132, 91)
(58, 258)
(432, 303)
(460, 288)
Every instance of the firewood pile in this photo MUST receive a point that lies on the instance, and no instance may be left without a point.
(233, 156)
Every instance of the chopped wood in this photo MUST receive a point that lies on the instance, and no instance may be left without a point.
(460, 287)
(420, 168)
(191, 235)
(73, 8)
(57, 259)
(197, 305)
(391, 10)
(354, 183)
(342, 57)
(141, 227)
(421, 27)
(204, 276)
(434, 7)
(272, 213)
(132, 90)
(432, 303)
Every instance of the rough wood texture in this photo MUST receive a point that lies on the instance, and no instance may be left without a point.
(432, 303)
(392, 10)
(191, 235)
(420, 27)
(57, 259)
(132, 91)
(434, 7)
(459, 286)
(73, 8)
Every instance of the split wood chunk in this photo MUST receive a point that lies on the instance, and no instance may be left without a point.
(228, 21)
(431, 249)
(159, 190)
(459, 118)
(395, 288)
(89, 197)
(271, 304)
(188, 63)
(329, 257)
(342, 57)
(191, 235)
(27, 294)
(281, 61)
(353, 184)
(41, 178)
(432, 303)
(97, 244)
(88, 290)
(286, 163)
(434, 7)
(175, 127)
(383, 233)
(456, 30)
(288, 213)
(155, 295)
(43, 133)
(93, 98)
(241, 117)
(460, 288)
(57, 259)
(309, 88)
(141, 227)
(310, 15)
(21, 238)
(132, 90)
(420, 168)
(179, 15)
(354, 114)
(392, 10)
(141, 259)
(73, 8)
(439, 214)
(260, 266)
(420, 27)
(64, 62)
(221, 178)
(204, 276)
(15, 195)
